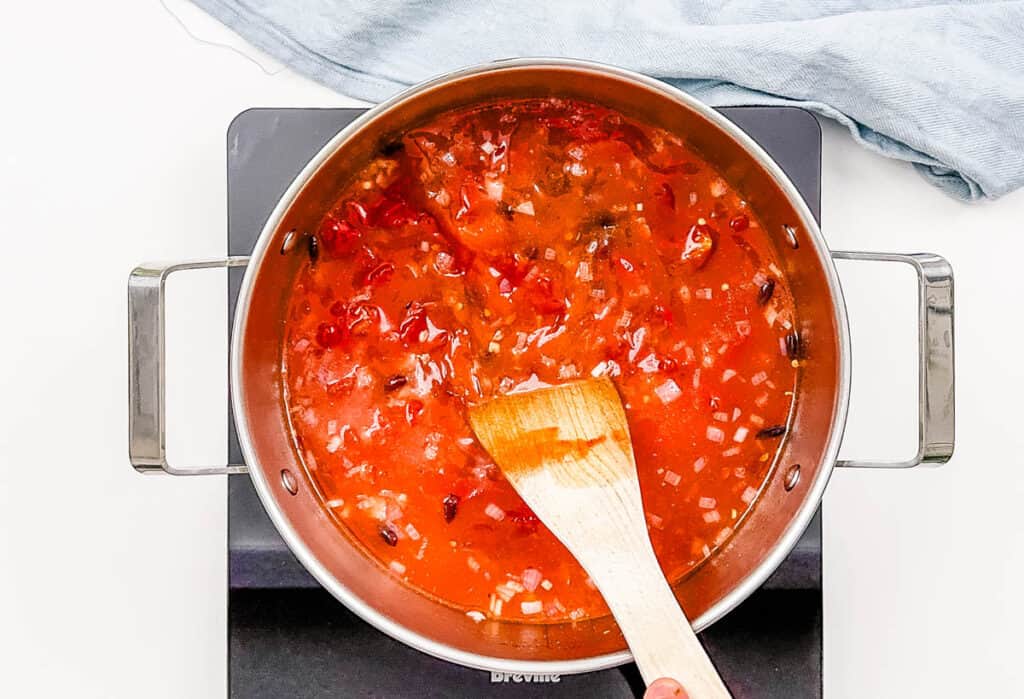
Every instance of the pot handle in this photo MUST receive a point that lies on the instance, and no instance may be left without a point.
(146, 400)
(936, 385)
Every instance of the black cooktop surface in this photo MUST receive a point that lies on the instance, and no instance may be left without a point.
(290, 638)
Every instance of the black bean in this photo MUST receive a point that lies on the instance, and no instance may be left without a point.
(395, 382)
(605, 220)
(391, 148)
(451, 506)
(766, 292)
(505, 210)
(390, 536)
(771, 432)
(314, 248)
(795, 348)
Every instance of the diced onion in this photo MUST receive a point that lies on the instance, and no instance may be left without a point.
(333, 444)
(495, 189)
(748, 495)
(732, 451)
(706, 503)
(728, 374)
(568, 371)
(397, 567)
(546, 584)
(720, 416)
(668, 391)
(736, 412)
(494, 512)
(525, 208)
(715, 434)
(718, 187)
(532, 607)
(583, 272)
(741, 434)
(656, 521)
(335, 503)
(531, 579)
(672, 478)
(758, 378)
(473, 564)
(712, 516)
(443, 262)
(549, 254)
(723, 535)
(743, 327)
(476, 616)
(412, 532)
(699, 464)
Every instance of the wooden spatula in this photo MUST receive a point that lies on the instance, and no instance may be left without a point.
(567, 451)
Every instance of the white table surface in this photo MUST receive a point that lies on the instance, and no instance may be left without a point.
(113, 584)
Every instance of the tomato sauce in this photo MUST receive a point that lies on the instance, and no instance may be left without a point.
(515, 245)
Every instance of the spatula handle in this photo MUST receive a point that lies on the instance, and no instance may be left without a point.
(661, 639)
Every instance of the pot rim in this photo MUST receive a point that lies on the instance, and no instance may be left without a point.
(797, 524)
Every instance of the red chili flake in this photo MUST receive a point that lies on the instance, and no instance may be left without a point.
(450, 506)
(396, 214)
(337, 236)
(355, 213)
(395, 382)
(362, 317)
(329, 335)
(544, 295)
(524, 518)
(377, 276)
(512, 267)
(666, 196)
(662, 312)
(388, 533)
(413, 324)
(739, 223)
(412, 411)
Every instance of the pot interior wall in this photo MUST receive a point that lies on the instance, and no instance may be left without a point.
(367, 587)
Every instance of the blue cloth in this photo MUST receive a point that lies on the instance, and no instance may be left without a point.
(938, 84)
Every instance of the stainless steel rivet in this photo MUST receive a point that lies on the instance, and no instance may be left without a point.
(791, 235)
(289, 482)
(792, 477)
(288, 244)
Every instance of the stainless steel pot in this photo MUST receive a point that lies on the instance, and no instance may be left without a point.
(799, 475)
